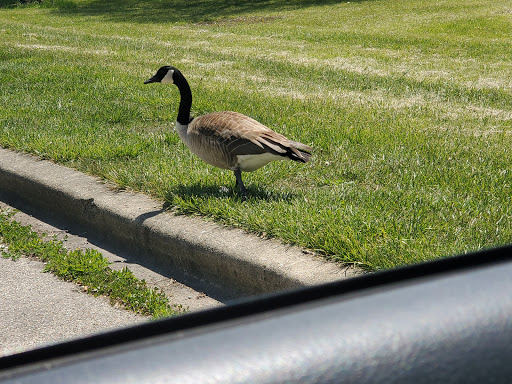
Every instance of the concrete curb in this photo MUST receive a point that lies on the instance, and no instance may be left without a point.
(225, 260)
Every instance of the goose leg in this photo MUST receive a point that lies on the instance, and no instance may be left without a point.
(240, 183)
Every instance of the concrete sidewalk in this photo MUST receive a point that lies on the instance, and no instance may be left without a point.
(37, 308)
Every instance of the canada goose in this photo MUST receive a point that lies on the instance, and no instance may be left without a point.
(228, 140)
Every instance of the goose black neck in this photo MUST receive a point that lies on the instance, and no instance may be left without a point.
(186, 98)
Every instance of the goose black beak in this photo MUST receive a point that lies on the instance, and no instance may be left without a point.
(151, 80)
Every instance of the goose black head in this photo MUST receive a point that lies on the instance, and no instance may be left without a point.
(164, 75)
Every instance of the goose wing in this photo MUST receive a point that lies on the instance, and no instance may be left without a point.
(241, 135)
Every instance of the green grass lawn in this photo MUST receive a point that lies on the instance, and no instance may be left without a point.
(407, 104)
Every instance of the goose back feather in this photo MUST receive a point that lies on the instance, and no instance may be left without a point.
(226, 139)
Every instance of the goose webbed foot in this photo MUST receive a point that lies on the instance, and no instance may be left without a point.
(240, 183)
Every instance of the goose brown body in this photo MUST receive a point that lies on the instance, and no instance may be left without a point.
(228, 140)
(231, 140)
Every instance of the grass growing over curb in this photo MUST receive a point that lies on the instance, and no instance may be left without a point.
(87, 268)
(407, 104)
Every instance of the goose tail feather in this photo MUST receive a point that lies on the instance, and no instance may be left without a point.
(300, 152)
(306, 156)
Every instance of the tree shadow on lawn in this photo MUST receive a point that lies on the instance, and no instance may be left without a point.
(189, 11)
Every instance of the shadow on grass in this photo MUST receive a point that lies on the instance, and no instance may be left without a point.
(187, 11)
(189, 193)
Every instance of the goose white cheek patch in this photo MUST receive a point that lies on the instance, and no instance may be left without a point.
(167, 79)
